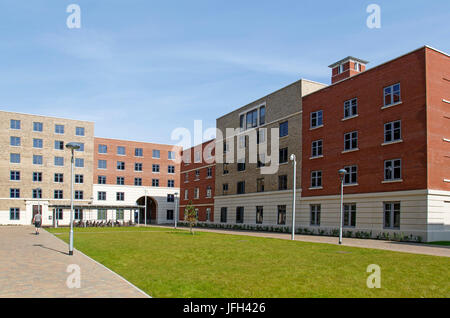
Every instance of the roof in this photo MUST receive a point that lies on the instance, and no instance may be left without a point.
(348, 58)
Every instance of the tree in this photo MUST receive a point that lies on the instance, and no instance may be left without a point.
(190, 215)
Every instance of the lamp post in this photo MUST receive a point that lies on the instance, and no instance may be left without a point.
(72, 146)
(176, 208)
(294, 161)
(342, 173)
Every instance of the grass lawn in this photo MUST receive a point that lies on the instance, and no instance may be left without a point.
(444, 243)
(168, 263)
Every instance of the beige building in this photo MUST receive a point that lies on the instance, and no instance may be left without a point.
(254, 178)
(35, 167)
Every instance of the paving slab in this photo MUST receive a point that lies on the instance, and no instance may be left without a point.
(37, 266)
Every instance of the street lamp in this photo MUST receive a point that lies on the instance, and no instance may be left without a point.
(72, 146)
(294, 160)
(176, 209)
(342, 173)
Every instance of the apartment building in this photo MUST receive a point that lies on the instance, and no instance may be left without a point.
(135, 181)
(254, 177)
(197, 180)
(35, 168)
(389, 128)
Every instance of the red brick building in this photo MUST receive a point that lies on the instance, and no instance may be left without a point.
(389, 127)
(197, 178)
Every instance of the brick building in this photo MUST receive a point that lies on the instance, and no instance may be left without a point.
(197, 180)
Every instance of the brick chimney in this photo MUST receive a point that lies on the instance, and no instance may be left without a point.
(346, 68)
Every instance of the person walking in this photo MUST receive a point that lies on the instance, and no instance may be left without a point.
(37, 220)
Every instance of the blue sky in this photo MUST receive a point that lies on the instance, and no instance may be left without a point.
(140, 69)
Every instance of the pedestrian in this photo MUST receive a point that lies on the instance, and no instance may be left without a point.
(37, 220)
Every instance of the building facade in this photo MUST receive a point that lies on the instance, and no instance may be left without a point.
(389, 128)
(197, 180)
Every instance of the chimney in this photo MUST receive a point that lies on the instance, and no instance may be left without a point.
(346, 68)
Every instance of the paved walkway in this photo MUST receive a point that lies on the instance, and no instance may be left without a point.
(415, 248)
(35, 266)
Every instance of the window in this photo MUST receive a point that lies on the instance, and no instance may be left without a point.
(14, 175)
(223, 215)
(241, 187)
(37, 143)
(155, 168)
(261, 136)
(37, 126)
(79, 131)
(137, 166)
(120, 165)
(197, 157)
(252, 119)
(156, 154)
(155, 182)
(37, 176)
(392, 169)
(81, 149)
(225, 188)
(226, 147)
(138, 181)
(59, 177)
(259, 214)
(120, 196)
(315, 214)
(121, 150)
(102, 164)
(101, 195)
(242, 141)
(351, 141)
(392, 94)
(392, 131)
(316, 119)
(284, 129)
(197, 174)
(351, 108)
(14, 214)
(37, 193)
(120, 214)
(171, 183)
(351, 177)
(78, 213)
(78, 195)
(349, 215)
(170, 198)
(59, 145)
(186, 194)
(282, 182)
(392, 215)
(101, 179)
(283, 155)
(79, 162)
(102, 149)
(208, 214)
(196, 193)
(58, 194)
(186, 177)
(169, 215)
(15, 158)
(101, 214)
(59, 129)
(225, 168)
(37, 159)
(139, 152)
(120, 180)
(208, 192)
(241, 166)
(240, 214)
(241, 121)
(15, 124)
(316, 148)
(79, 178)
(260, 185)
(281, 215)
(59, 161)
(262, 115)
(171, 155)
(261, 160)
(316, 179)
(59, 214)
(14, 141)
(171, 169)
(14, 193)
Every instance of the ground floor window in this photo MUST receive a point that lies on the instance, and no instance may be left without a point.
(78, 214)
(58, 213)
(349, 215)
(169, 214)
(259, 214)
(101, 214)
(240, 214)
(223, 215)
(208, 214)
(392, 215)
(315, 214)
(119, 214)
(281, 214)
(14, 214)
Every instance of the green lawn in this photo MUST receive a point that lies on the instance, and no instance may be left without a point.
(167, 263)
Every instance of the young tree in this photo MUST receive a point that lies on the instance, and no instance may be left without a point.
(190, 215)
